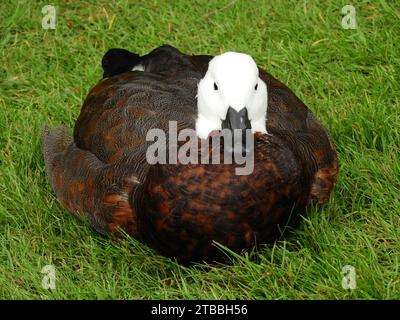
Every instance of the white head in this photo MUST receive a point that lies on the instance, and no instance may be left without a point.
(230, 87)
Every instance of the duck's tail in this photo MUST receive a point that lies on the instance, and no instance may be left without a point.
(81, 183)
(64, 167)
(72, 173)
(54, 142)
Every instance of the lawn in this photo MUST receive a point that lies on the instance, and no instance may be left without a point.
(348, 77)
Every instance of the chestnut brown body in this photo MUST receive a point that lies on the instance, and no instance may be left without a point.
(101, 174)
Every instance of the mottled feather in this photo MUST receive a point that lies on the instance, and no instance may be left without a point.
(102, 173)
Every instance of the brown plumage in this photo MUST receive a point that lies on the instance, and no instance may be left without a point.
(101, 174)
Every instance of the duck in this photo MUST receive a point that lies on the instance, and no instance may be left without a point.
(102, 172)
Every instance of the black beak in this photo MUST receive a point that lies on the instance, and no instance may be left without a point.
(237, 120)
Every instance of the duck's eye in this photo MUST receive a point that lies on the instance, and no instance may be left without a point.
(215, 86)
(256, 86)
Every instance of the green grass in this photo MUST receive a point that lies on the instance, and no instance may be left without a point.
(349, 78)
